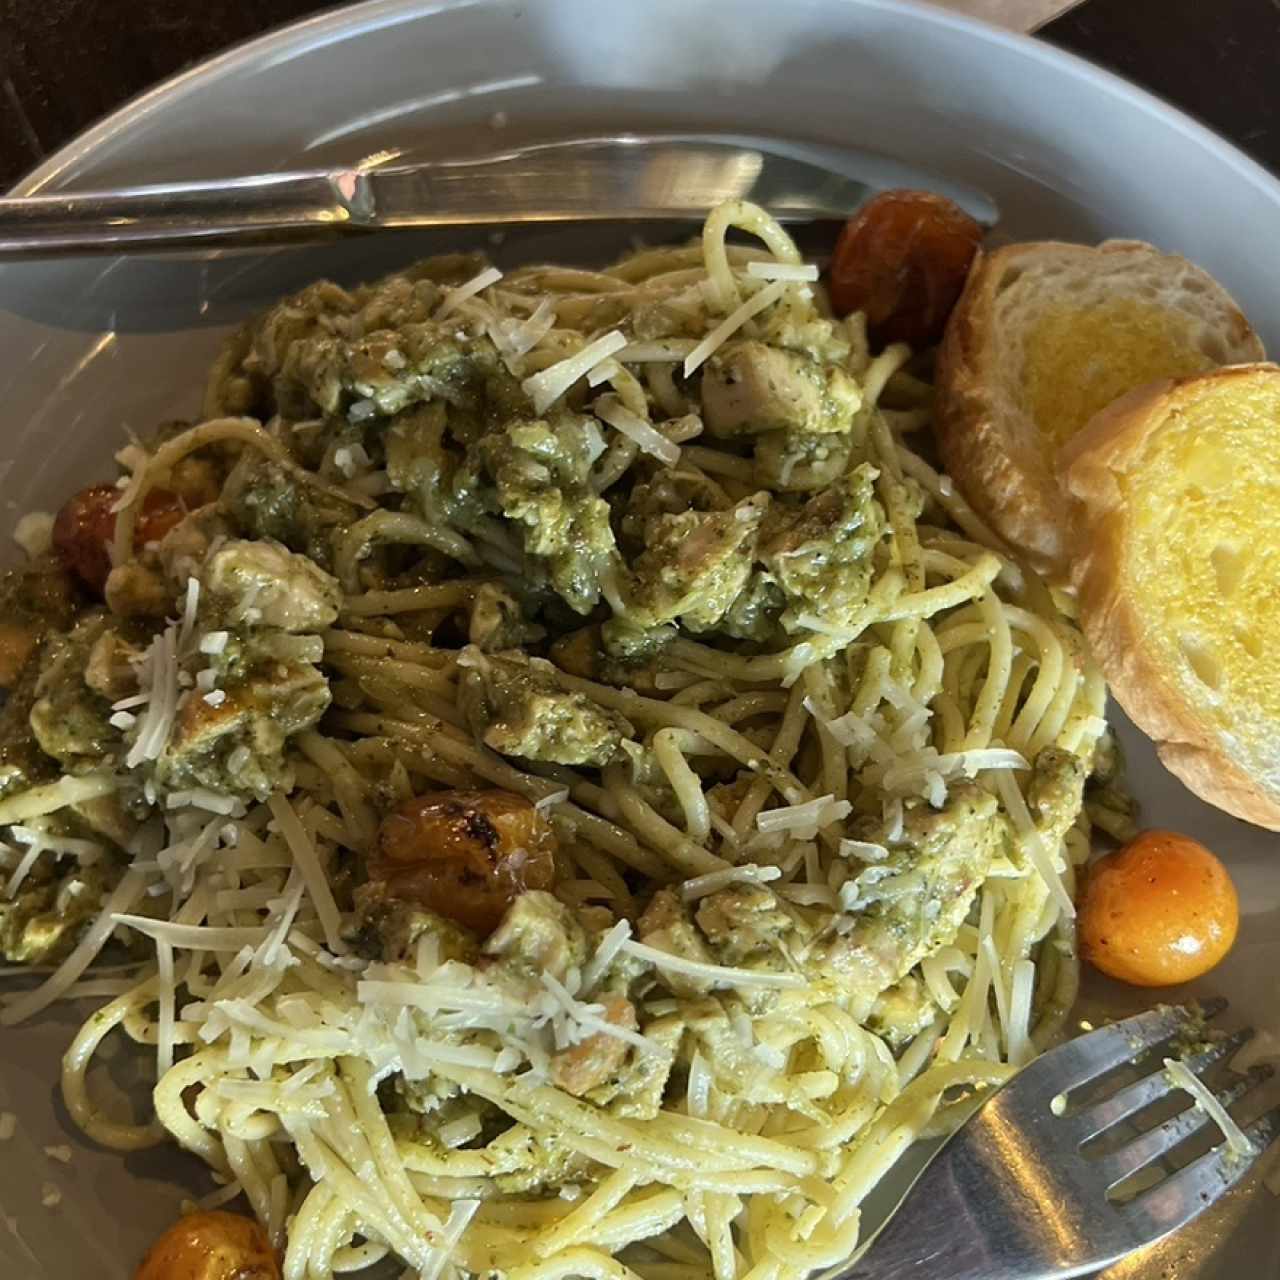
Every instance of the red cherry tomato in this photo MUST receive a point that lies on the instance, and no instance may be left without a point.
(903, 259)
(87, 522)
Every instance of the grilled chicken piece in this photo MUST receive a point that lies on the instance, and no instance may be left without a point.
(750, 387)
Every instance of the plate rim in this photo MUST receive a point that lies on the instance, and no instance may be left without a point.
(346, 22)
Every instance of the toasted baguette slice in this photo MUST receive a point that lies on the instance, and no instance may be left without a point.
(1177, 566)
(1044, 336)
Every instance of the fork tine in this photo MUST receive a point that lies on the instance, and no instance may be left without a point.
(1095, 1120)
(1158, 1142)
(1184, 1194)
(1076, 1063)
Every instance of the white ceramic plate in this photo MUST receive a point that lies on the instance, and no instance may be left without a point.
(91, 349)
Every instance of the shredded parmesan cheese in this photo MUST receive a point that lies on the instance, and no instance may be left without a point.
(551, 799)
(516, 338)
(713, 881)
(610, 944)
(548, 386)
(717, 974)
(1041, 858)
(803, 821)
(651, 441)
(460, 1131)
(308, 862)
(53, 796)
(731, 324)
(158, 674)
(125, 894)
(460, 1215)
(456, 297)
(192, 937)
(1181, 1075)
(800, 272)
(864, 850)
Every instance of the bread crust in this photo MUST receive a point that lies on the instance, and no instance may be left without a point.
(996, 455)
(1188, 744)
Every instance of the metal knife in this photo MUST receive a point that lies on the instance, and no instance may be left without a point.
(620, 178)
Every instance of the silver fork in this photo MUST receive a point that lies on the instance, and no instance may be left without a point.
(1015, 1193)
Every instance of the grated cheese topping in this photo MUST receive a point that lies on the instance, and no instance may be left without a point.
(804, 821)
(651, 441)
(308, 862)
(799, 272)
(546, 387)
(864, 850)
(731, 324)
(713, 881)
(717, 974)
(606, 951)
(456, 297)
(1030, 840)
(158, 678)
(516, 338)
(1181, 1075)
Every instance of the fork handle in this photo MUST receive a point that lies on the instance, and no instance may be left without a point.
(969, 1216)
(914, 1247)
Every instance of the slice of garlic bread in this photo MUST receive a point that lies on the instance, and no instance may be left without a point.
(1044, 336)
(1177, 566)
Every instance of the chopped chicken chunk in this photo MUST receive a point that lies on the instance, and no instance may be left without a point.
(591, 1062)
(745, 925)
(515, 707)
(539, 934)
(667, 925)
(914, 902)
(264, 582)
(694, 565)
(749, 387)
(820, 555)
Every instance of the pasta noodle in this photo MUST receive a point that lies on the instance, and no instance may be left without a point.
(790, 770)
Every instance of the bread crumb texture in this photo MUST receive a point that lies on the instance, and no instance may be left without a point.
(1077, 360)
(1203, 497)
(1178, 569)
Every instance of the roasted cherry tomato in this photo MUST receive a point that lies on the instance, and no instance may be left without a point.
(211, 1246)
(85, 526)
(903, 259)
(1160, 911)
(465, 854)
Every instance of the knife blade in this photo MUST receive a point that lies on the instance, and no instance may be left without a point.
(629, 177)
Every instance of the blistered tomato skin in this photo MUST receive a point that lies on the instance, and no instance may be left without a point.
(86, 524)
(1158, 912)
(466, 855)
(903, 259)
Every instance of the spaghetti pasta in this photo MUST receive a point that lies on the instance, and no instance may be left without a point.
(802, 746)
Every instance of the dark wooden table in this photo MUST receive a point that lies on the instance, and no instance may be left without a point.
(66, 63)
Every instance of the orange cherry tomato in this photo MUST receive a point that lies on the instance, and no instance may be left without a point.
(1160, 911)
(86, 524)
(211, 1246)
(466, 855)
(903, 259)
